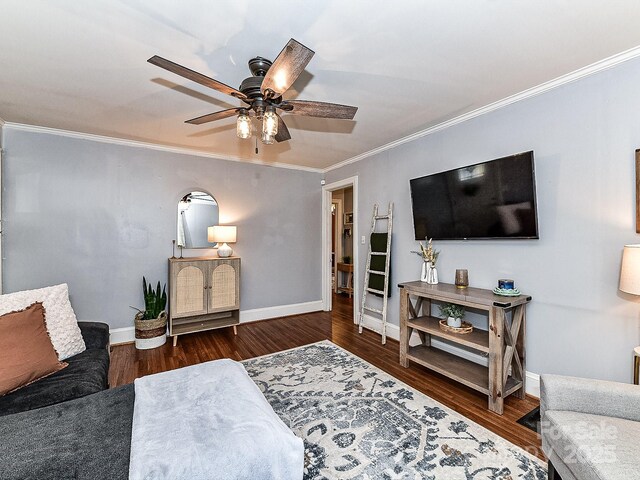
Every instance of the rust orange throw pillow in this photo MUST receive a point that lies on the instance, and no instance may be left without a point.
(26, 351)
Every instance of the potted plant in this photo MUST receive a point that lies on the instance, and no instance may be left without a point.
(453, 313)
(346, 259)
(151, 323)
(429, 256)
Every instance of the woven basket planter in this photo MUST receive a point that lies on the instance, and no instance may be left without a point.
(150, 333)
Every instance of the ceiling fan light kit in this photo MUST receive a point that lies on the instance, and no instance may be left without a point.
(268, 139)
(262, 92)
(270, 121)
(243, 124)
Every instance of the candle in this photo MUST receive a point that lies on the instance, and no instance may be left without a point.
(506, 284)
(462, 278)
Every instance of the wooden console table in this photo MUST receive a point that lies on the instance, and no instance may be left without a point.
(503, 342)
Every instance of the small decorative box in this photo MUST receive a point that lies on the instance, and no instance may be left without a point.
(506, 284)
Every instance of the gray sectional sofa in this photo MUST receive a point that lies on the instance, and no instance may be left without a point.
(88, 438)
(590, 428)
(56, 428)
(87, 373)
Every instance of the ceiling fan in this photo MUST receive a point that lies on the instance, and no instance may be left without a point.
(262, 94)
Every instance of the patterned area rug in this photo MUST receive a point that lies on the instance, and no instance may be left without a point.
(358, 422)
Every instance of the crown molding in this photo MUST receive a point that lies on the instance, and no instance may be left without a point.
(531, 92)
(152, 146)
(525, 94)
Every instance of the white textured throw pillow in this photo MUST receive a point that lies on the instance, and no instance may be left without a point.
(60, 318)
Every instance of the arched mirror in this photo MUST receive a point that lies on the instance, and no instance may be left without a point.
(196, 212)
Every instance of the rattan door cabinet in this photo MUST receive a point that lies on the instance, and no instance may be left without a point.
(204, 293)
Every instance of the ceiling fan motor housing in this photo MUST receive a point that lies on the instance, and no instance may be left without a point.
(251, 87)
(259, 66)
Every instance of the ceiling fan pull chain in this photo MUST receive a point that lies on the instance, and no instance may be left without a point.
(256, 144)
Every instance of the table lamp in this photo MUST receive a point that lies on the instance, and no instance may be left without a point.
(630, 283)
(222, 234)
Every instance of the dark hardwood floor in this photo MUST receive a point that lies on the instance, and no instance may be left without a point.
(261, 338)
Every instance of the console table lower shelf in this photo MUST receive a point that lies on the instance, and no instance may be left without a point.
(457, 368)
(503, 342)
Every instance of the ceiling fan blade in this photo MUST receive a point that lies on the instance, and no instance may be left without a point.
(283, 132)
(195, 76)
(210, 117)
(288, 66)
(319, 109)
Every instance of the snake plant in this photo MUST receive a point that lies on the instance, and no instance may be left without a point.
(154, 301)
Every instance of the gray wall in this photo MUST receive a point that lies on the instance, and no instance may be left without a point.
(99, 216)
(584, 135)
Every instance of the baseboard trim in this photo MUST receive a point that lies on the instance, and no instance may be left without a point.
(127, 334)
(533, 384)
(393, 331)
(280, 311)
(118, 336)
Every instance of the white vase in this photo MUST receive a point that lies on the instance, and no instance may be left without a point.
(454, 322)
(424, 274)
(432, 275)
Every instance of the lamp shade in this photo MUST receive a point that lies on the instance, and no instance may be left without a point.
(222, 234)
(630, 270)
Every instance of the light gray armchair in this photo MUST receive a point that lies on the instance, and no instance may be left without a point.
(590, 428)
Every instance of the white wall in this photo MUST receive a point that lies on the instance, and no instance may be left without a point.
(584, 136)
(99, 216)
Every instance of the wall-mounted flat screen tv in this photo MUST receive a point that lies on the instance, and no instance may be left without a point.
(495, 199)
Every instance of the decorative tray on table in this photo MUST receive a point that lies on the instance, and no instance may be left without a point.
(507, 292)
(465, 328)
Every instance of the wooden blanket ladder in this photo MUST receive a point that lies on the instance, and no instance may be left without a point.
(388, 217)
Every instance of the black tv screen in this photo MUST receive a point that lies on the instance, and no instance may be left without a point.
(495, 199)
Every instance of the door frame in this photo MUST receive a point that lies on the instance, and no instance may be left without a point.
(326, 243)
(1, 225)
(338, 236)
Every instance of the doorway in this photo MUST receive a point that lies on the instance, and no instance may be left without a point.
(339, 245)
(337, 240)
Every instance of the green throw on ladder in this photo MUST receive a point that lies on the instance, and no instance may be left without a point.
(376, 278)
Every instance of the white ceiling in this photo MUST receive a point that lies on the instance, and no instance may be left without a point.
(408, 65)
